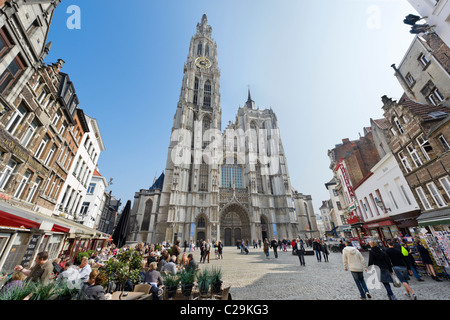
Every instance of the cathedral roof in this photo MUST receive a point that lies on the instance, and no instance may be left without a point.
(158, 184)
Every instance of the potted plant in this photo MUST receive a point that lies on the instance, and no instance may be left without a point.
(124, 269)
(216, 280)
(203, 281)
(187, 279)
(171, 282)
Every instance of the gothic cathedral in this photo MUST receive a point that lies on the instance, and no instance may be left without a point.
(228, 185)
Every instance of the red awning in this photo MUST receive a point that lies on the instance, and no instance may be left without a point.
(13, 221)
(10, 220)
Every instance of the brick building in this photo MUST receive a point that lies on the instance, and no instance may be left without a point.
(419, 139)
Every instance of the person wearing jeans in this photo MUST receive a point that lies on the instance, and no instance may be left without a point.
(354, 261)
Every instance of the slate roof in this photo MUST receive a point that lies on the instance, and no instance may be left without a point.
(424, 111)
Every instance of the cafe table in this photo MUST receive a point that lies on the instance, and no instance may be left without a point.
(127, 295)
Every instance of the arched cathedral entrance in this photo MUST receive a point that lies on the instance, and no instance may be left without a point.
(234, 224)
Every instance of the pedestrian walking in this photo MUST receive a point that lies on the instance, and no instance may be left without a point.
(412, 268)
(220, 249)
(354, 261)
(202, 252)
(185, 245)
(274, 246)
(266, 248)
(399, 266)
(207, 250)
(300, 249)
(378, 258)
(317, 249)
(341, 246)
(426, 260)
(325, 250)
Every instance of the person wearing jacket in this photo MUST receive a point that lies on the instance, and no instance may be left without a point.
(317, 249)
(354, 261)
(378, 258)
(399, 264)
(93, 289)
(298, 246)
(274, 246)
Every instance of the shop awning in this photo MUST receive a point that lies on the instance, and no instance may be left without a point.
(435, 217)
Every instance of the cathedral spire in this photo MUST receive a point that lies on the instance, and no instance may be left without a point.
(250, 103)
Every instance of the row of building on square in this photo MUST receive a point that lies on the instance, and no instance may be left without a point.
(394, 181)
(52, 196)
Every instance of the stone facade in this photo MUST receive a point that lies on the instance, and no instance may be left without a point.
(228, 185)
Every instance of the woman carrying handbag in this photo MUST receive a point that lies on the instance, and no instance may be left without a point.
(378, 258)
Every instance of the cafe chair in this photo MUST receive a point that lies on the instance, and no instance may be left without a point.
(145, 288)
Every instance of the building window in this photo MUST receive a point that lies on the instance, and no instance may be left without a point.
(203, 179)
(405, 194)
(29, 133)
(435, 97)
(50, 155)
(259, 181)
(41, 147)
(207, 94)
(11, 75)
(7, 173)
(365, 209)
(232, 174)
(379, 200)
(84, 208)
(425, 146)
(370, 209)
(405, 162)
(414, 155)
(91, 188)
(33, 189)
(16, 119)
(444, 142)
(423, 59)
(410, 79)
(201, 223)
(23, 184)
(5, 41)
(423, 198)
(398, 125)
(195, 101)
(374, 204)
(437, 197)
(445, 182)
(391, 196)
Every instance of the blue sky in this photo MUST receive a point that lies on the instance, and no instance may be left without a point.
(322, 66)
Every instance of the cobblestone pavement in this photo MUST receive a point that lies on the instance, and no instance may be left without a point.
(250, 277)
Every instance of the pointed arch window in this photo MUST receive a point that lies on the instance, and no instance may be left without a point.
(147, 213)
(207, 94)
(199, 49)
(232, 174)
(195, 101)
(203, 183)
(259, 181)
(206, 51)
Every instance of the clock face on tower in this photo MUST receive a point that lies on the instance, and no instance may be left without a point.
(203, 63)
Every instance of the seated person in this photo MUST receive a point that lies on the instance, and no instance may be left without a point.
(153, 277)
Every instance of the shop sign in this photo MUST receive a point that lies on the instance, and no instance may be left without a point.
(30, 249)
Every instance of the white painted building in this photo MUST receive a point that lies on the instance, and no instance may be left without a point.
(438, 15)
(383, 197)
(92, 206)
(75, 187)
